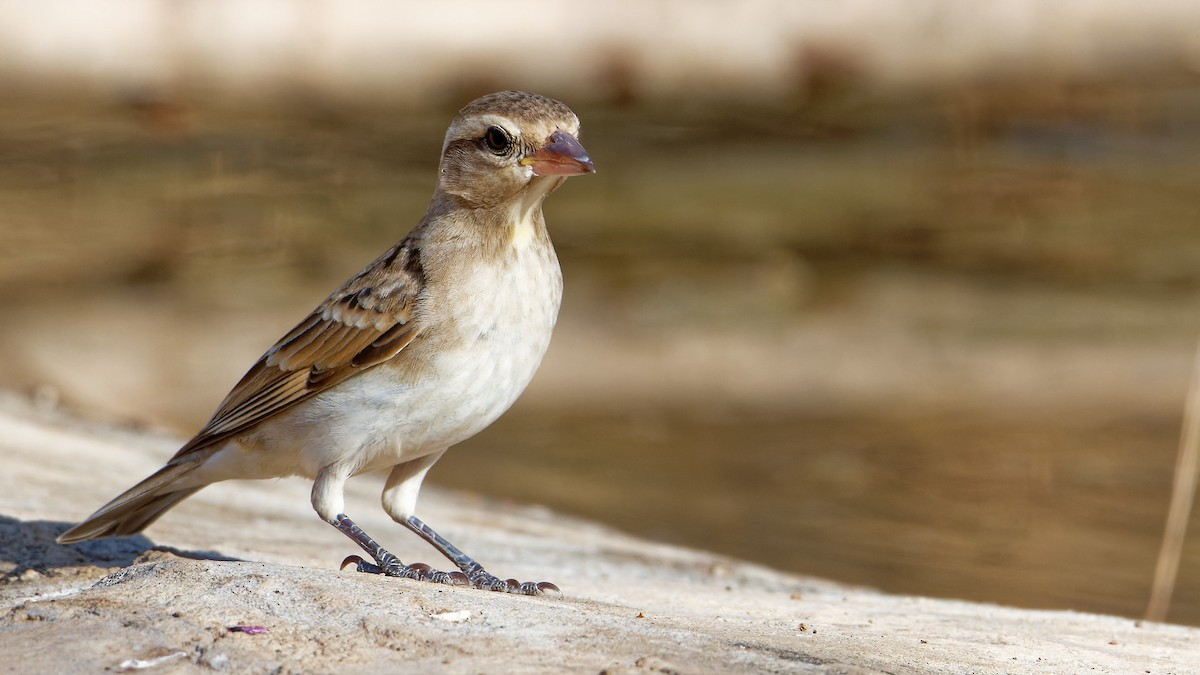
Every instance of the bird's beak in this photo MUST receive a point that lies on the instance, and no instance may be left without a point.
(562, 155)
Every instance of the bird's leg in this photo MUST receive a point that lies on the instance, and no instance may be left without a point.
(386, 563)
(475, 574)
(399, 500)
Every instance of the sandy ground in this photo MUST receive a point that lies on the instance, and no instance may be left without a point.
(253, 554)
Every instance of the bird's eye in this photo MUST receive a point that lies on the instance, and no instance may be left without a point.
(497, 140)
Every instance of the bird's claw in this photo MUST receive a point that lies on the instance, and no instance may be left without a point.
(423, 572)
(476, 577)
(415, 571)
(360, 565)
(482, 580)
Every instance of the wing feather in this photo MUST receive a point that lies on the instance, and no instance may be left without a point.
(366, 322)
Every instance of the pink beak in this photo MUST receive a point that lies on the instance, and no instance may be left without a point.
(562, 155)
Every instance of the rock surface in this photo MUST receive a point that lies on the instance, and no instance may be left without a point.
(253, 555)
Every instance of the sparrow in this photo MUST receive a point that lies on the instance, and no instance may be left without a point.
(422, 349)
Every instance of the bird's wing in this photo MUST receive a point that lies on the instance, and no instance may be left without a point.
(367, 321)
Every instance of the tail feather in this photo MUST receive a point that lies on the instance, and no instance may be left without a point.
(137, 507)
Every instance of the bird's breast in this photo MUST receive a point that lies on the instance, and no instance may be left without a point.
(503, 311)
(484, 331)
(489, 330)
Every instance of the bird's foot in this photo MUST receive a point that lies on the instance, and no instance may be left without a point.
(388, 564)
(478, 577)
(392, 567)
(473, 572)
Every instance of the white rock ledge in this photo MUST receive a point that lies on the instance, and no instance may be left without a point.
(629, 606)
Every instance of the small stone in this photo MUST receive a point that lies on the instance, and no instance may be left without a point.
(454, 617)
(143, 664)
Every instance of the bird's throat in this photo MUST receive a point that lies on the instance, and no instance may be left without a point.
(523, 228)
(525, 219)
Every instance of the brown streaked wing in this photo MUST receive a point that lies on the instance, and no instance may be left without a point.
(358, 327)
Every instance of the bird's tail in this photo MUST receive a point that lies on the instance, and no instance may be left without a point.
(135, 508)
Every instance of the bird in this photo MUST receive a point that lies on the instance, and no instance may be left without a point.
(422, 349)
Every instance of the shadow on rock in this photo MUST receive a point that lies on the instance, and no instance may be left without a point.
(31, 544)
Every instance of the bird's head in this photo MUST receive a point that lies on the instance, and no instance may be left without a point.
(511, 146)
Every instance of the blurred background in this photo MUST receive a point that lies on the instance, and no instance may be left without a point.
(898, 294)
